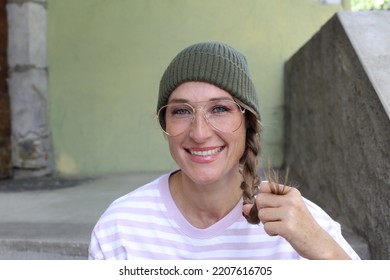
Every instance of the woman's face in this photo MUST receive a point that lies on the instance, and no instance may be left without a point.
(204, 154)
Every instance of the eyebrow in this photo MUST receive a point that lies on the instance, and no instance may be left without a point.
(182, 100)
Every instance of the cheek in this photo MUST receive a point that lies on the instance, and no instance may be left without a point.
(240, 142)
(242, 147)
(171, 144)
(174, 147)
(244, 140)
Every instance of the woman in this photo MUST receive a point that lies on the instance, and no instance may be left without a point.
(214, 206)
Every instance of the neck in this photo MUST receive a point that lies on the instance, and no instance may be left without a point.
(204, 205)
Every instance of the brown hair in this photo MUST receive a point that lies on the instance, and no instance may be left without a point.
(249, 161)
(249, 166)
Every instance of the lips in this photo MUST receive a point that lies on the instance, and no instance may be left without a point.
(205, 152)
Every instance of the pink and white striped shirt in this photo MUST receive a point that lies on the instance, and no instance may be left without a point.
(146, 224)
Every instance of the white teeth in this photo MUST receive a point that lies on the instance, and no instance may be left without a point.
(206, 153)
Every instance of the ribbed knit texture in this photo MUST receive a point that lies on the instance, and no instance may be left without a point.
(212, 62)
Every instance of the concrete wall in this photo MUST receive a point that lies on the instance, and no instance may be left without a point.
(337, 123)
(106, 59)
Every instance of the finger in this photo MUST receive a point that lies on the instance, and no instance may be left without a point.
(266, 200)
(264, 187)
(272, 187)
(250, 213)
(291, 199)
(272, 228)
(246, 209)
(270, 215)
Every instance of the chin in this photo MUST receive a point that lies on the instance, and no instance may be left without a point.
(206, 175)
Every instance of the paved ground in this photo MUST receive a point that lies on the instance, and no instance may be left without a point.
(55, 220)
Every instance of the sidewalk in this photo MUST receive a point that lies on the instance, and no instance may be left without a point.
(57, 223)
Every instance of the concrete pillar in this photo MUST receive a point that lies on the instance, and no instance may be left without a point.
(32, 152)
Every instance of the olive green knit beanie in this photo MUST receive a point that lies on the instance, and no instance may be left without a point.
(212, 62)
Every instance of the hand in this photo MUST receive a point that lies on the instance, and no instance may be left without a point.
(287, 215)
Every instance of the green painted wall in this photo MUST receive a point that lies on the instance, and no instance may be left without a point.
(106, 58)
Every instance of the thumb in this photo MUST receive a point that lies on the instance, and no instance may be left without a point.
(246, 209)
(250, 212)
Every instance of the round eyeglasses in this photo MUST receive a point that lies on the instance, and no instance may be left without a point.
(222, 115)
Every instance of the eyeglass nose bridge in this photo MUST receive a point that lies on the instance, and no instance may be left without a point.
(204, 113)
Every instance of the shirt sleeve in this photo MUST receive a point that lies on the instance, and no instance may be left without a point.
(332, 227)
(94, 250)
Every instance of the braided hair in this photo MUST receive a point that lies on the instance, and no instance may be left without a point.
(249, 161)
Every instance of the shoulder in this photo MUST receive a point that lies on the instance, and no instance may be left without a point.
(320, 215)
(140, 204)
(129, 219)
(332, 227)
(141, 198)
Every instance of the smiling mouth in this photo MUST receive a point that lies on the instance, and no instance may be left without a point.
(206, 152)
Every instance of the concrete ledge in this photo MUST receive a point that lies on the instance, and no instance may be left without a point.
(42, 241)
(42, 250)
(369, 33)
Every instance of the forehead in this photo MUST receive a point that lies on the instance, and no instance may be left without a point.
(198, 92)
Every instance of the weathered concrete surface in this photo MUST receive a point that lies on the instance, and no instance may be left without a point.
(369, 33)
(337, 124)
(32, 151)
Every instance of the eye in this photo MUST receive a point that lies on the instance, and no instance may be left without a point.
(220, 109)
(179, 110)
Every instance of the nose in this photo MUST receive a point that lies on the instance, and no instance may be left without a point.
(199, 128)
